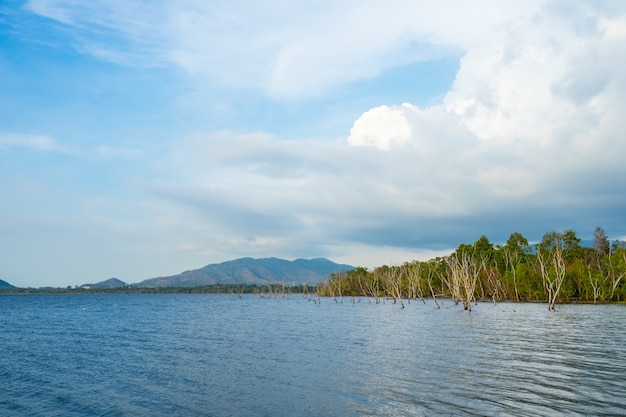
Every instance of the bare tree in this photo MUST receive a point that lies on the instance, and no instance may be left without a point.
(414, 277)
(335, 284)
(452, 278)
(473, 265)
(514, 253)
(392, 281)
(360, 279)
(432, 272)
(241, 289)
(464, 272)
(596, 280)
(372, 286)
(552, 268)
(616, 269)
(512, 258)
(494, 283)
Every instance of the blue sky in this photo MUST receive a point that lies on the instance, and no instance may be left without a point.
(140, 139)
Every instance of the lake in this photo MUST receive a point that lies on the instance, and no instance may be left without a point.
(221, 355)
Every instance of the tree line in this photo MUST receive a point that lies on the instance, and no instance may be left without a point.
(274, 290)
(557, 269)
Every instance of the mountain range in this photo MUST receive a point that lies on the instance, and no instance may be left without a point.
(253, 271)
(4, 284)
(109, 283)
(239, 271)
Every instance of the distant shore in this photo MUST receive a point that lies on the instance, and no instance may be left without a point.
(263, 291)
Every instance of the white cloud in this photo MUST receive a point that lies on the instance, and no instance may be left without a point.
(123, 32)
(36, 142)
(382, 126)
(533, 103)
(284, 49)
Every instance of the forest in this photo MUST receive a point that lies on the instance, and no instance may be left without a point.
(555, 270)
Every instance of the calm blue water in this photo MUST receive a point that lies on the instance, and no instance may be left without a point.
(218, 355)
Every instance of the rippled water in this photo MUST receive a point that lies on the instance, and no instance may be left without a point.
(218, 355)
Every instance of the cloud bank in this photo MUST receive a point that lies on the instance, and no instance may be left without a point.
(527, 139)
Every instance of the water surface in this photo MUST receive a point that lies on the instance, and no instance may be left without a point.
(219, 355)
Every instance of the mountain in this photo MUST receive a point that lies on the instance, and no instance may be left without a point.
(4, 284)
(109, 283)
(253, 271)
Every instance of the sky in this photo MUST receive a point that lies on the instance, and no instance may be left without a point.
(145, 138)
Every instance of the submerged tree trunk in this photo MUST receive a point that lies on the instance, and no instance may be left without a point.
(615, 273)
(452, 278)
(552, 268)
(464, 272)
(512, 258)
(432, 293)
(414, 275)
(392, 280)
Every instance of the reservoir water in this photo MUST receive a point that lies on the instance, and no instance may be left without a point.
(221, 355)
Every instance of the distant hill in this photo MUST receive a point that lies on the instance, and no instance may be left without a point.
(4, 284)
(253, 271)
(109, 283)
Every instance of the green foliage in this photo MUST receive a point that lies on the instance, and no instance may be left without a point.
(518, 243)
(507, 272)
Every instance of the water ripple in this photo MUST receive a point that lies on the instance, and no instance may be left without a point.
(199, 355)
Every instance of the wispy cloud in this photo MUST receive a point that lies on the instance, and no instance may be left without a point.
(122, 32)
(285, 49)
(35, 142)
